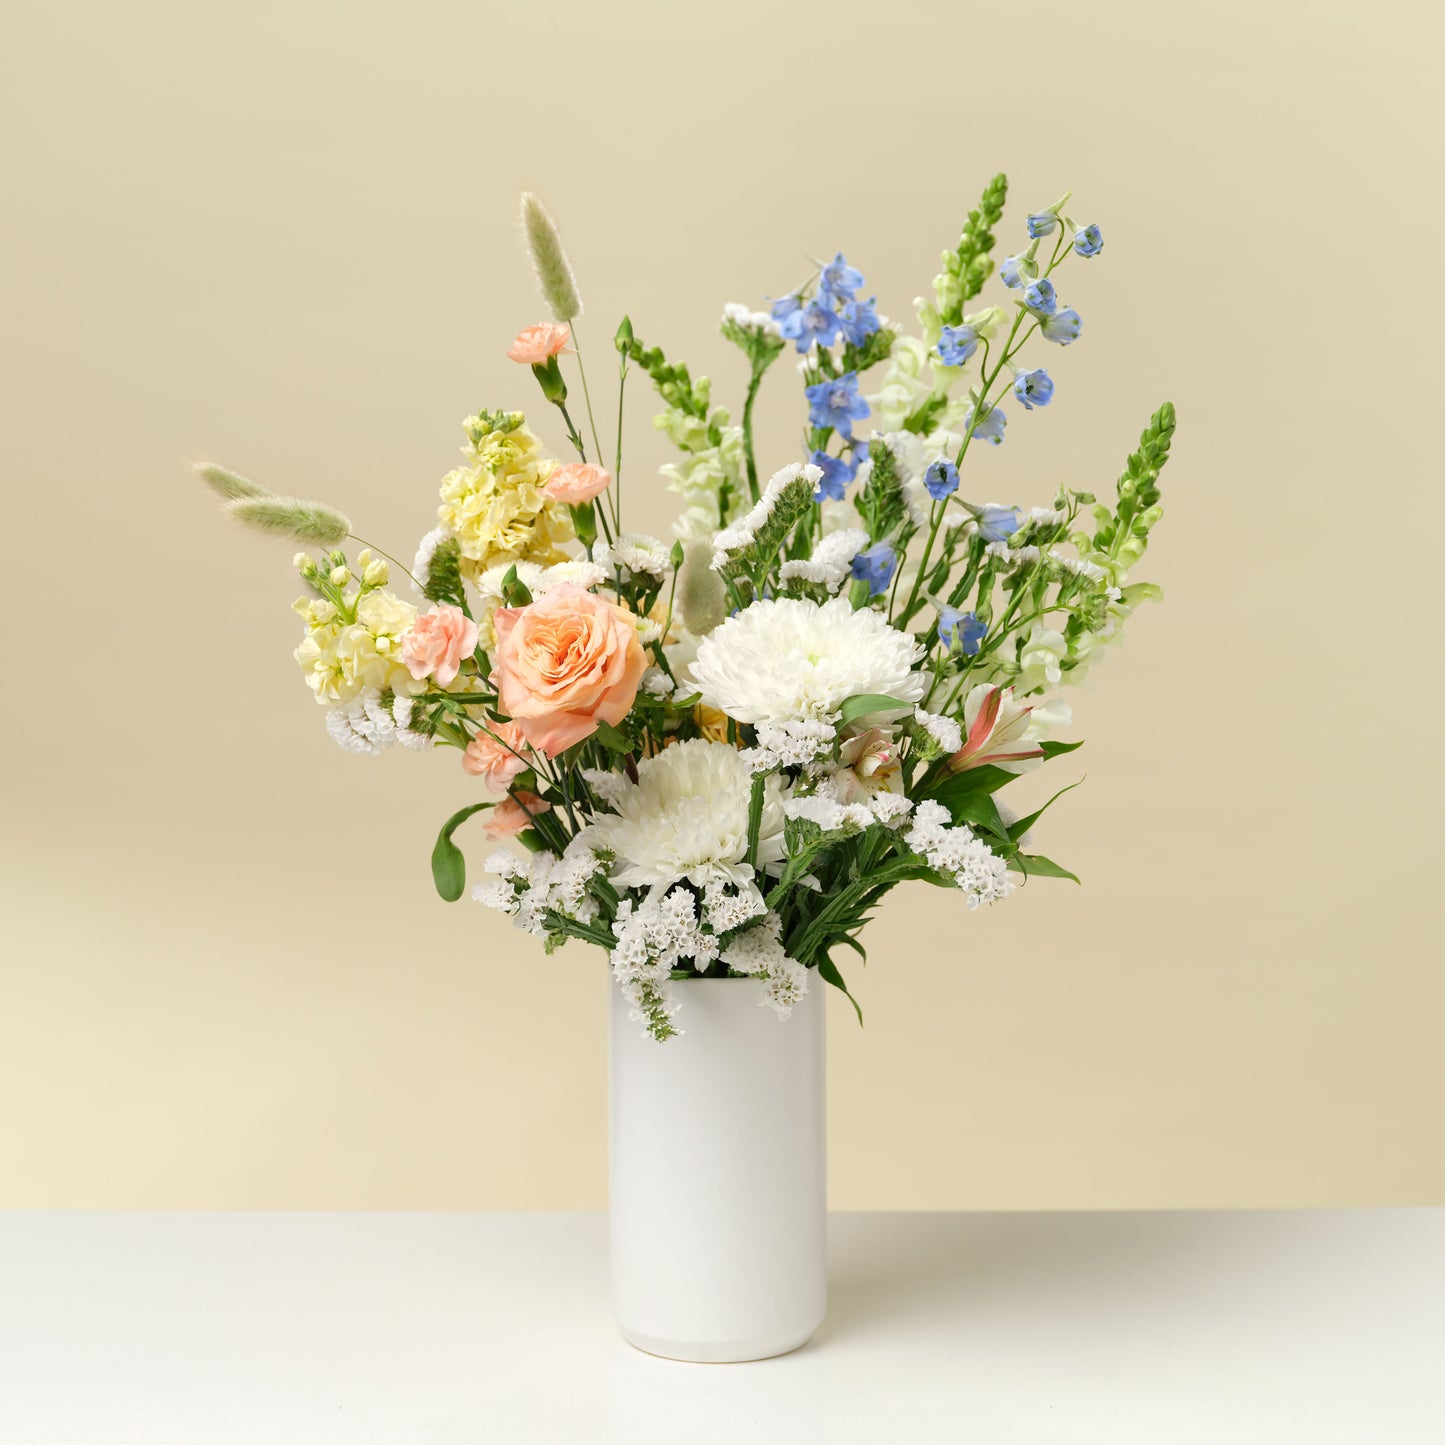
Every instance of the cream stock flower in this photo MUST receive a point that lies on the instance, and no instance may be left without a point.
(341, 658)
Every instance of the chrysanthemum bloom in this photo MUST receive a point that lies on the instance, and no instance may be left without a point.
(496, 756)
(565, 661)
(438, 643)
(687, 817)
(577, 482)
(535, 345)
(787, 659)
(514, 813)
(999, 732)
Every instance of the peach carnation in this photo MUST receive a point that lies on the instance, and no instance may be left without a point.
(577, 482)
(536, 345)
(565, 661)
(497, 756)
(514, 813)
(438, 642)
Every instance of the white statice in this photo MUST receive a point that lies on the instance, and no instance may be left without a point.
(741, 533)
(656, 683)
(959, 853)
(366, 725)
(747, 320)
(653, 938)
(828, 813)
(1011, 558)
(686, 817)
(793, 744)
(759, 951)
(831, 564)
(727, 906)
(787, 659)
(607, 785)
(890, 809)
(426, 550)
(943, 730)
(635, 552)
(528, 889)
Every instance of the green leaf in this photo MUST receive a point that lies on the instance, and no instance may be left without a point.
(1017, 830)
(611, 737)
(863, 703)
(448, 867)
(1035, 863)
(970, 782)
(1055, 750)
(828, 971)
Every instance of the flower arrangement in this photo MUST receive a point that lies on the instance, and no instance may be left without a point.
(718, 753)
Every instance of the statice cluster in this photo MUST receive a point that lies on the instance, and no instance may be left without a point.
(959, 853)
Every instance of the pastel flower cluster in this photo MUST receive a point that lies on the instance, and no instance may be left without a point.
(712, 757)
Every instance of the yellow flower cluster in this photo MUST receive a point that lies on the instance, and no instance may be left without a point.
(341, 657)
(495, 506)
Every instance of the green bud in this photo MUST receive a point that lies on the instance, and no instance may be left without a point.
(584, 523)
(549, 378)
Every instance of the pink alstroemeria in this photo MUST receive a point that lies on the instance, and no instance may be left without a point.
(997, 734)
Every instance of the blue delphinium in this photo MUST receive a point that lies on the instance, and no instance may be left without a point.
(1062, 327)
(990, 426)
(960, 629)
(859, 320)
(837, 473)
(810, 323)
(875, 567)
(996, 523)
(839, 281)
(1088, 241)
(956, 344)
(1016, 271)
(834, 402)
(785, 307)
(1034, 388)
(1040, 297)
(941, 479)
(1041, 223)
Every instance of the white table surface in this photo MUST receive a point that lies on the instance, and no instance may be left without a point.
(477, 1329)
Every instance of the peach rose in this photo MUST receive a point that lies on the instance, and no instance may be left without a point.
(563, 662)
(496, 756)
(514, 813)
(535, 345)
(577, 482)
(438, 642)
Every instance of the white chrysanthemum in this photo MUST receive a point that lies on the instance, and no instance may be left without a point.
(687, 817)
(786, 659)
(635, 552)
(832, 559)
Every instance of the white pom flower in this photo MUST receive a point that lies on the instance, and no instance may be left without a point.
(832, 561)
(635, 552)
(687, 817)
(787, 659)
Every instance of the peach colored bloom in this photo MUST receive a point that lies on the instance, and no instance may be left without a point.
(496, 757)
(536, 345)
(563, 662)
(438, 642)
(514, 813)
(577, 482)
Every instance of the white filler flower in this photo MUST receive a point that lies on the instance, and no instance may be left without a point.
(788, 659)
(687, 817)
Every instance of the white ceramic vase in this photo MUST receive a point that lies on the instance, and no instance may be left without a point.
(718, 1175)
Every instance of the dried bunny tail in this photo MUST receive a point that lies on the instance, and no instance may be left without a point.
(702, 593)
(228, 484)
(312, 523)
(554, 271)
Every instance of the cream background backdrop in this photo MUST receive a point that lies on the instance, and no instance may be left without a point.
(283, 235)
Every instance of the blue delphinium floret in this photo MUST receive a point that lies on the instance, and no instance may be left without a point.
(996, 523)
(859, 320)
(956, 344)
(960, 629)
(1088, 241)
(1040, 297)
(1062, 327)
(808, 324)
(839, 281)
(837, 473)
(875, 567)
(1034, 388)
(1016, 271)
(990, 425)
(1041, 223)
(835, 403)
(941, 479)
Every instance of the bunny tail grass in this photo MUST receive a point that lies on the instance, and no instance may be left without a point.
(701, 592)
(554, 271)
(228, 484)
(313, 523)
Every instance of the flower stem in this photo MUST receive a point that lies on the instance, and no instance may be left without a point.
(586, 395)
